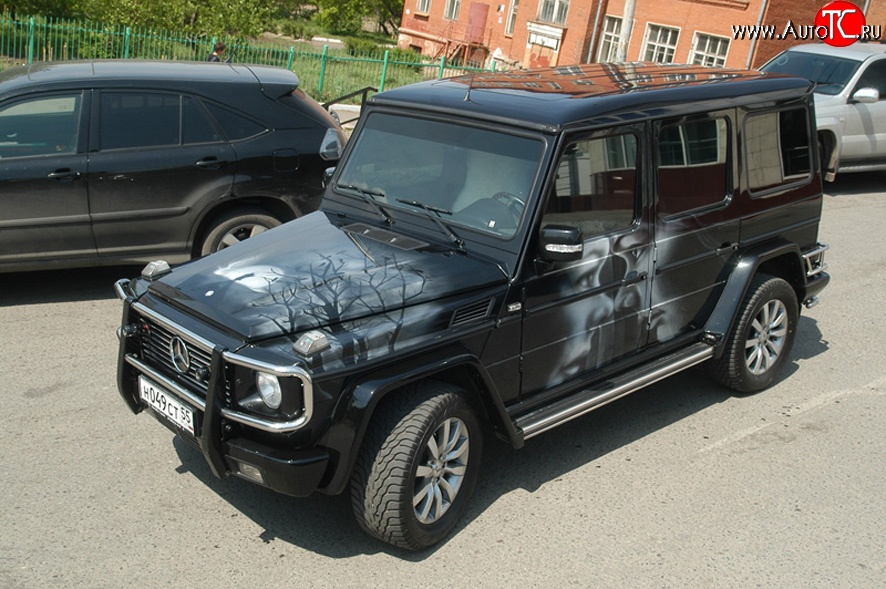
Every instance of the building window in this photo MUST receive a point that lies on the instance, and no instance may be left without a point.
(709, 50)
(423, 6)
(608, 51)
(661, 44)
(512, 17)
(452, 7)
(554, 11)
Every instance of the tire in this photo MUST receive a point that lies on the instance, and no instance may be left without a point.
(404, 491)
(235, 227)
(761, 340)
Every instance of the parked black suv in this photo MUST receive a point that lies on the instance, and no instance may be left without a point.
(108, 162)
(508, 250)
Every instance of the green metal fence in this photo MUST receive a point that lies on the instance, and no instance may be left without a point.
(325, 74)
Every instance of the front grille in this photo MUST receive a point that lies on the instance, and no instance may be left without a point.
(157, 353)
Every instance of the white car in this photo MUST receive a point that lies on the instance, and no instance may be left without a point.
(850, 102)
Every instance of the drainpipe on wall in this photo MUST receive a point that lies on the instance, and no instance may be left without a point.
(627, 27)
(754, 41)
(592, 49)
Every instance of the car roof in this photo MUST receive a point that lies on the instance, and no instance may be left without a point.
(275, 81)
(856, 51)
(554, 98)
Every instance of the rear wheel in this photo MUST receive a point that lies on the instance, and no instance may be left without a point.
(235, 227)
(761, 340)
(418, 466)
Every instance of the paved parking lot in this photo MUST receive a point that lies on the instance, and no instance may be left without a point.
(680, 485)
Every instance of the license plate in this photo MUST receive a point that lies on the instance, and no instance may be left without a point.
(166, 405)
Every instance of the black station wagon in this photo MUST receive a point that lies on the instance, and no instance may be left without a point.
(109, 162)
(495, 253)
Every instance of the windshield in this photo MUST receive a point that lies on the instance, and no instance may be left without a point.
(830, 74)
(452, 173)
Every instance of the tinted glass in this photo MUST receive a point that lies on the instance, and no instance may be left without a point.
(778, 148)
(40, 126)
(234, 125)
(135, 119)
(196, 125)
(693, 170)
(596, 186)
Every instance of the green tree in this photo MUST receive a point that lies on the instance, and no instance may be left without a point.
(347, 16)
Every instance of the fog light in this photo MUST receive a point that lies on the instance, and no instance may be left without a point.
(250, 472)
(269, 389)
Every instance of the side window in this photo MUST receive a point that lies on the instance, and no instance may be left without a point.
(134, 119)
(596, 185)
(874, 77)
(40, 126)
(693, 170)
(196, 125)
(234, 125)
(779, 150)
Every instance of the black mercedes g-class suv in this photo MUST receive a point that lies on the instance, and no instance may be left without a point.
(495, 252)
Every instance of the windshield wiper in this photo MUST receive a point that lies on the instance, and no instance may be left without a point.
(434, 214)
(369, 196)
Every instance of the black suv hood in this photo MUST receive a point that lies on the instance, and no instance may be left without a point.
(311, 273)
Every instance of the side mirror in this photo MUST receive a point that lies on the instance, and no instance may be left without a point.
(866, 96)
(561, 243)
(327, 176)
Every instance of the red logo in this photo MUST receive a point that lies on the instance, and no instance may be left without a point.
(840, 23)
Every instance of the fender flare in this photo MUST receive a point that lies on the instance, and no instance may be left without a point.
(746, 266)
(355, 409)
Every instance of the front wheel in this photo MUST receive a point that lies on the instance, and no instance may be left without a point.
(418, 466)
(760, 343)
(235, 227)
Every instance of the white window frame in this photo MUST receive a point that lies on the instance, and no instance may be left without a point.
(423, 6)
(709, 50)
(654, 48)
(452, 9)
(511, 21)
(553, 11)
(608, 49)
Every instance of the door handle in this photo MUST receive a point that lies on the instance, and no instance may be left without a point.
(63, 175)
(211, 163)
(726, 248)
(633, 278)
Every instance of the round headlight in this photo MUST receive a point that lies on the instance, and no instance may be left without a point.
(269, 390)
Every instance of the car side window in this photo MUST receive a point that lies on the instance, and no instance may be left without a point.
(596, 185)
(136, 119)
(47, 125)
(234, 125)
(874, 77)
(196, 125)
(693, 165)
(779, 149)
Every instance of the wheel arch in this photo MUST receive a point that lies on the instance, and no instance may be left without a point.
(276, 207)
(357, 405)
(780, 259)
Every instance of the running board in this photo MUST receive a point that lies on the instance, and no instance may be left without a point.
(585, 401)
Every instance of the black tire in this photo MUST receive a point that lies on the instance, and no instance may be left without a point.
(396, 465)
(761, 340)
(235, 227)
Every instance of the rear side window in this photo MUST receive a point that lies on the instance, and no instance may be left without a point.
(693, 170)
(596, 185)
(133, 119)
(40, 126)
(234, 125)
(779, 149)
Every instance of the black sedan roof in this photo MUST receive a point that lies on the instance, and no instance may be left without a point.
(553, 98)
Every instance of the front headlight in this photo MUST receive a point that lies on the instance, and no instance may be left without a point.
(269, 389)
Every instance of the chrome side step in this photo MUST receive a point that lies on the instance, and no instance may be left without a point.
(585, 401)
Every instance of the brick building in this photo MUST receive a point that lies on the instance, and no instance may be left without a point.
(532, 33)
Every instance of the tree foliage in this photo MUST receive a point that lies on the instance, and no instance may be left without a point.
(347, 16)
(211, 17)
